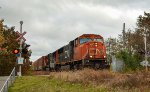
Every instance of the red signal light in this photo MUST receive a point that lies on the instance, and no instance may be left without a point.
(16, 51)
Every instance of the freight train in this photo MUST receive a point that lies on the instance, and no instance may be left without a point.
(85, 50)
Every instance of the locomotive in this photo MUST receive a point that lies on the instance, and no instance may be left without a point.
(86, 50)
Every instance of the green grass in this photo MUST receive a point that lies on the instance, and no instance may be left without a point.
(46, 84)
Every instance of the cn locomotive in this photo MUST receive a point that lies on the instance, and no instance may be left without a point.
(86, 50)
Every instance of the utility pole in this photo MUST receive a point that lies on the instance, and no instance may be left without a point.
(124, 37)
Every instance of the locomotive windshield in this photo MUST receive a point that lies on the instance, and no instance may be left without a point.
(83, 40)
(98, 39)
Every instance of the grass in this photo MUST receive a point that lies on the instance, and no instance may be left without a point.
(86, 80)
(46, 84)
(134, 82)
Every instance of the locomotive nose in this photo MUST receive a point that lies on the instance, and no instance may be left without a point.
(96, 50)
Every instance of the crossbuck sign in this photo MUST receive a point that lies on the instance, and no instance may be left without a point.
(21, 36)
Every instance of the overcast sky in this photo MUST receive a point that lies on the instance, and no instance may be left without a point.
(51, 24)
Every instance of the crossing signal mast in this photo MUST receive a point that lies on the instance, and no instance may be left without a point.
(19, 51)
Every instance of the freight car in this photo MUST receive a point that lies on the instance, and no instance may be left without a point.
(41, 63)
(85, 50)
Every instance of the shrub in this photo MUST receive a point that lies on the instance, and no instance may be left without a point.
(132, 61)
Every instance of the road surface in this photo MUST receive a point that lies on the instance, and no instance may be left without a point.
(2, 81)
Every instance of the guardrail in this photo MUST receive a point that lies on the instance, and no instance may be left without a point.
(9, 81)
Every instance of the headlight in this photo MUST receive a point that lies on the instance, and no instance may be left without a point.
(104, 56)
(91, 56)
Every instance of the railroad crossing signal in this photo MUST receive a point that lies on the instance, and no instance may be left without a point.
(16, 51)
(21, 36)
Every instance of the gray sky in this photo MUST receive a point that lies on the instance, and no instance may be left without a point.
(51, 24)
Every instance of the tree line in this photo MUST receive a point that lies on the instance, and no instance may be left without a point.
(129, 46)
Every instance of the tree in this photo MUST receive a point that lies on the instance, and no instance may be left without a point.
(1, 32)
(7, 57)
(143, 27)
